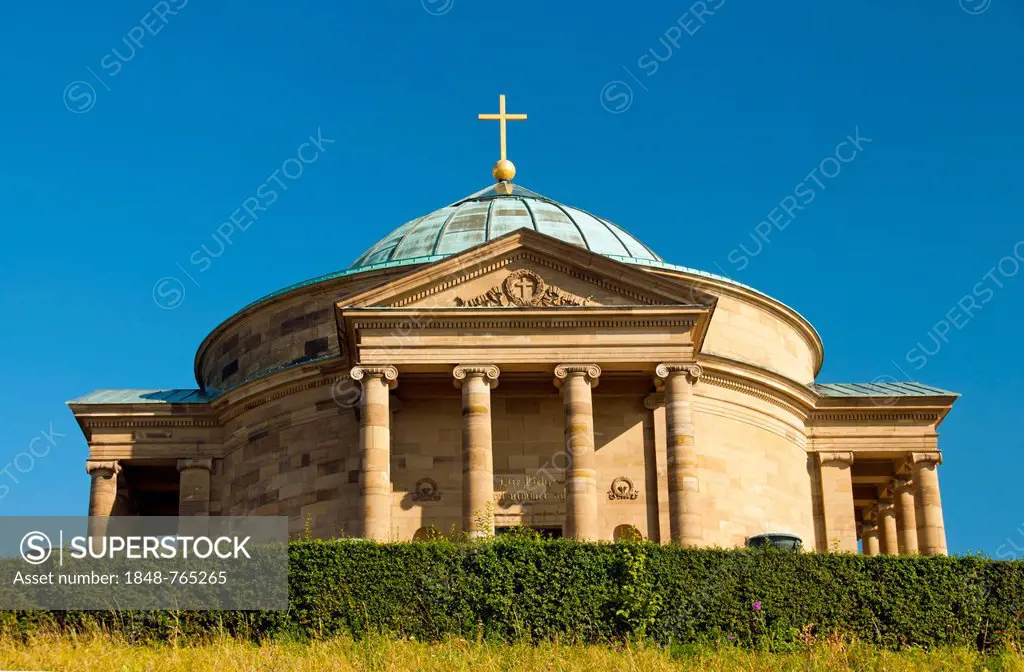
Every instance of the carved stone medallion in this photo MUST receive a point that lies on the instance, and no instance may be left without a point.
(622, 488)
(426, 491)
(523, 287)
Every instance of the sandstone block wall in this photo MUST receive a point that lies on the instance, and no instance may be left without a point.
(755, 473)
(747, 333)
(280, 333)
(297, 457)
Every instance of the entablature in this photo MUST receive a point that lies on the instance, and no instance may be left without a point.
(633, 338)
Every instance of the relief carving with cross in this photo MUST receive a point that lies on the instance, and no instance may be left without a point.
(524, 288)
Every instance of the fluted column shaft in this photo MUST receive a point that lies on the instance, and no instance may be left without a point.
(576, 383)
(906, 518)
(685, 526)
(194, 486)
(887, 529)
(375, 449)
(837, 501)
(102, 494)
(869, 537)
(477, 454)
(931, 530)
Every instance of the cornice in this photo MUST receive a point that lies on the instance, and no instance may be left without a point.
(752, 390)
(758, 383)
(246, 402)
(451, 280)
(128, 421)
(539, 259)
(538, 318)
(873, 416)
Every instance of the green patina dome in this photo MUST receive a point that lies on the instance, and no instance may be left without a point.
(487, 215)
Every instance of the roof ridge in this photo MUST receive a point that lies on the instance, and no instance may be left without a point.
(583, 237)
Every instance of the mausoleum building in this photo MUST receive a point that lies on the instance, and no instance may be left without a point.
(510, 360)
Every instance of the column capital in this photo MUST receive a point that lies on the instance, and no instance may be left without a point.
(113, 466)
(868, 525)
(489, 372)
(933, 458)
(902, 483)
(195, 463)
(388, 374)
(836, 459)
(691, 370)
(590, 372)
(654, 400)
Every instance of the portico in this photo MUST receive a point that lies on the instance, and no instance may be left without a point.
(894, 506)
(409, 329)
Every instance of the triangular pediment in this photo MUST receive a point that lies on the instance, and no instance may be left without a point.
(527, 269)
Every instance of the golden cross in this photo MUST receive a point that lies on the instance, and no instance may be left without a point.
(502, 117)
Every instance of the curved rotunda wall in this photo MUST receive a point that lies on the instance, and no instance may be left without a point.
(752, 334)
(285, 331)
(753, 467)
(294, 456)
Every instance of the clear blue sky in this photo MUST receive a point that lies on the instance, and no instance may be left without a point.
(103, 201)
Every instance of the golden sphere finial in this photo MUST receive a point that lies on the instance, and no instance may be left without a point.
(504, 170)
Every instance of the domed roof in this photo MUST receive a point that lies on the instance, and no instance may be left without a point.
(488, 214)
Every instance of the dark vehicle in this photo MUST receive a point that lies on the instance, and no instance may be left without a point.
(779, 540)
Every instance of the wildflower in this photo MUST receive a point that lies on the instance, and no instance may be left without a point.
(732, 637)
(756, 606)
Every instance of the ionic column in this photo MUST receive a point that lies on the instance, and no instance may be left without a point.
(102, 494)
(837, 501)
(685, 525)
(375, 449)
(906, 517)
(576, 382)
(477, 456)
(194, 486)
(869, 536)
(887, 530)
(931, 531)
(655, 473)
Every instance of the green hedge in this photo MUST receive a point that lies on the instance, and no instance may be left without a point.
(522, 589)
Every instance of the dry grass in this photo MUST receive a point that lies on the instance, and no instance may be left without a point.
(101, 652)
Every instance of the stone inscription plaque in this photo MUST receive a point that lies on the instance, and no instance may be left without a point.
(510, 490)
